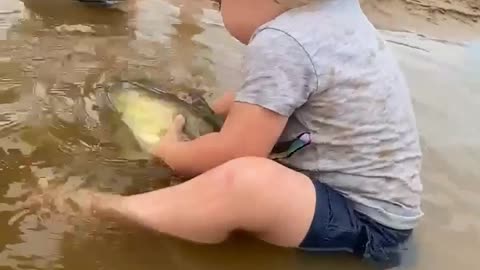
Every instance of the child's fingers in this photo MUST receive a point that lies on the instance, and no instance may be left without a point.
(175, 132)
(178, 124)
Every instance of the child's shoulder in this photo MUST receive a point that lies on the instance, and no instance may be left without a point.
(320, 17)
(327, 36)
(319, 27)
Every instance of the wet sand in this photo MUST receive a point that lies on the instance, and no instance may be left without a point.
(444, 19)
(52, 134)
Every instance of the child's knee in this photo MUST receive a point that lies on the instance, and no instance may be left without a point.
(248, 175)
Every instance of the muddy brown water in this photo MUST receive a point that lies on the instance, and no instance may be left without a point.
(53, 54)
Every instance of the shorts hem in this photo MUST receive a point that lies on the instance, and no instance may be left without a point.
(338, 227)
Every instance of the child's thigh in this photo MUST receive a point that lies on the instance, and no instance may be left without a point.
(269, 199)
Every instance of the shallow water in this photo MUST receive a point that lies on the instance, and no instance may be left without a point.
(54, 53)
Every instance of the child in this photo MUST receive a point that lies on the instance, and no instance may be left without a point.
(325, 97)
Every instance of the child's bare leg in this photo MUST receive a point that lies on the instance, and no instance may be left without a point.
(252, 194)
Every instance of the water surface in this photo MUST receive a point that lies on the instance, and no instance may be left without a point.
(54, 54)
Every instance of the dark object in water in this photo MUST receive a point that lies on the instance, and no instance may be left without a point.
(102, 2)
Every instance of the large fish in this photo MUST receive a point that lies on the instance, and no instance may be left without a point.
(149, 112)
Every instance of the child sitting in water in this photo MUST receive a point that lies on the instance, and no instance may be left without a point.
(322, 94)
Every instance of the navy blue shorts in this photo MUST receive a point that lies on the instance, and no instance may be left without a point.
(336, 226)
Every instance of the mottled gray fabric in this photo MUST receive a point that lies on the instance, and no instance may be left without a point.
(325, 66)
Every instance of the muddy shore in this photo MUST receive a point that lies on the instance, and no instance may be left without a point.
(443, 19)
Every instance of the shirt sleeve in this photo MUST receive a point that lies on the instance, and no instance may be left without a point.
(279, 74)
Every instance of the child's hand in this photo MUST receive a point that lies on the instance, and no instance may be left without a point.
(171, 139)
(249, 130)
(223, 104)
(175, 133)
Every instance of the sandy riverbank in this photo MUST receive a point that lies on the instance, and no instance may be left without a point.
(457, 20)
(444, 19)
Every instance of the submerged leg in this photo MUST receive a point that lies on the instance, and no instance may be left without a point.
(256, 195)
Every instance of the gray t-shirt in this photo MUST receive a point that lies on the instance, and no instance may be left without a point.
(326, 67)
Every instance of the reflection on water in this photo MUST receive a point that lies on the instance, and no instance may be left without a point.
(10, 12)
(53, 133)
(445, 84)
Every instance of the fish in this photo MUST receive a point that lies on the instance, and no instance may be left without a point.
(148, 112)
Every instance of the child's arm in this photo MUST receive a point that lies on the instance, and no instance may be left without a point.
(222, 105)
(249, 130)
(277, 80)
